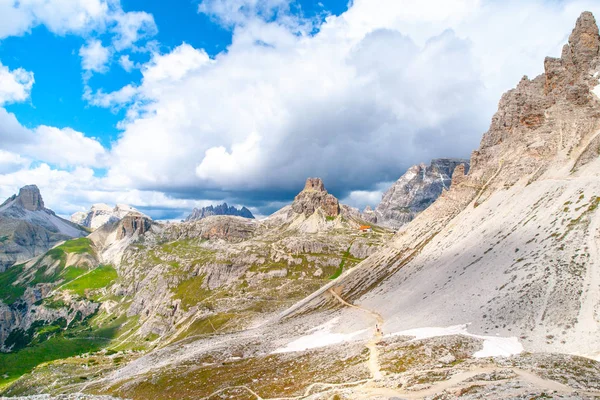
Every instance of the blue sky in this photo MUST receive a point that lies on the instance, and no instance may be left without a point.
(171, 105)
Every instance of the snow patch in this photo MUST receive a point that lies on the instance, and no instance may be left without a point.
(493, 346)
(320, 336)
(596, 91)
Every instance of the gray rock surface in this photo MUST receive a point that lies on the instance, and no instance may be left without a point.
(416, 190)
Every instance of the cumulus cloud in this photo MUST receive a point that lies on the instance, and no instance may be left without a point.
(231, 12)
(76, 16)
(131, 27)
(11, 162)
(219, 164)
(69, 191)
(62, 147)
(59, 16)
(126, 63)
(94, 56)
(65, 147)
(15, 85)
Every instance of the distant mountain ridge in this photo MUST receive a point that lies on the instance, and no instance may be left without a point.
(100, 214)
(221, 209)
(416, 190)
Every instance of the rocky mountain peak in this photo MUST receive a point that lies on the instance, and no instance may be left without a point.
(313, 196)
(547, 117)
(584, 42)
(314, 184)
(30, 198)
(416, 190)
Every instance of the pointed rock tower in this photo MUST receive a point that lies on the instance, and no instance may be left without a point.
(315, 196)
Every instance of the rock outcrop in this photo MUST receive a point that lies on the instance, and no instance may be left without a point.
(314, 196)
(133, 224)
(100, 214)
(221, 209)
(29, 198)
(28, 229)
(416, 190)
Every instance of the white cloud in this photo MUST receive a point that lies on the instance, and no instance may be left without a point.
(111, 100)
(15, 85)
(126, 63)
(59, 16)
(219, 164)
(11, 162)
(94, 56)
(174, 66)
(76, 16)
(237, 11)
(65, 147)
(131, 27)
(12, 133)
(69, 191)
(363, 198)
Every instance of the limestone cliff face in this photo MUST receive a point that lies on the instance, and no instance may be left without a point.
(544, 118)
(314, 196)
(28, 229)
(133, 223)
(416, 190)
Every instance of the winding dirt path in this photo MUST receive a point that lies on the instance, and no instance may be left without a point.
(373, 362)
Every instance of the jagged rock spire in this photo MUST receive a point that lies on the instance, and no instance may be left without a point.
(584, 42)
(314, 196)
(30, 198)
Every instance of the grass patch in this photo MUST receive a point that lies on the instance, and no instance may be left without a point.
(72, 273)
(85, 340)
(207, 325)
(340, 268)
(191, 292)
(9, 292)
(98, 278)
(77, 246)
(3, 239)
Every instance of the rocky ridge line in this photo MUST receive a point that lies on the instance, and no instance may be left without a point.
(221, 209)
